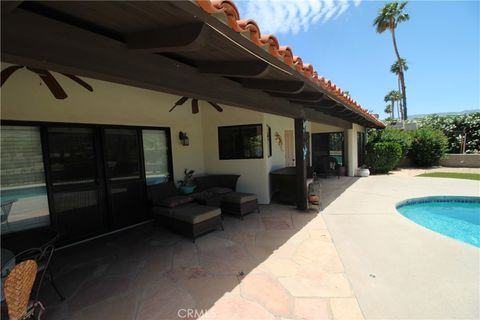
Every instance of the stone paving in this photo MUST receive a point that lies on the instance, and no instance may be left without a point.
(279, 264)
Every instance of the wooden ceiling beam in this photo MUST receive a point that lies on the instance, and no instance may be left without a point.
(280, 86)
(37, 41)
(188, 37)
(241, 69)
(307, 97)
(326, 103)
(319, 117)
(348, 115)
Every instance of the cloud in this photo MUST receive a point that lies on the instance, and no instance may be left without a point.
(292, 16)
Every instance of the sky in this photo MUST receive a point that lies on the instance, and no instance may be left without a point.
(441, 43)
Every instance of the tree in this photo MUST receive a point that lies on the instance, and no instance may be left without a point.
(389, 110)
(395, 69)
(388, 18)
(392, 97)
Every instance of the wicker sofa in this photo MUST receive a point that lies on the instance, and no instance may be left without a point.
(220, 191)
(212, 188)
(181, 213)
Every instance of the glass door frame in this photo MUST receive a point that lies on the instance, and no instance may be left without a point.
(100, 162)
(344, 155)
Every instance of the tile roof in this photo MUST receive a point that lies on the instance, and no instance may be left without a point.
(227, 11)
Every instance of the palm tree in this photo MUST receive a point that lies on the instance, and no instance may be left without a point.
(388, 110)
(395, 68)
(392, 97)
(388, 18)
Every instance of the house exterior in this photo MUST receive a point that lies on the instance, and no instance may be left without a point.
(81, 163)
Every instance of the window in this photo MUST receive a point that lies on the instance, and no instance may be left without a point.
(155, 154)
(336, 146)
(23, 189)
(71, 155)
(121, 154)
(240, 142)
(269, 139)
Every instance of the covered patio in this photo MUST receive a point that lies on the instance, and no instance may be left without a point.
(90, 147)
(279, 264)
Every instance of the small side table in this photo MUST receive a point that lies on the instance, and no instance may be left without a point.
(315, 196)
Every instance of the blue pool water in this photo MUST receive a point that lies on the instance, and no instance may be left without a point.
(20, 193)
(456, 217)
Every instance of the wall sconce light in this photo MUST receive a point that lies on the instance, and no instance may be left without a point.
(183, 138)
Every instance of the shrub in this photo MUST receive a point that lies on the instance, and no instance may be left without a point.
(428, 146)
(382, 157)
(398, 136)
(454, 126)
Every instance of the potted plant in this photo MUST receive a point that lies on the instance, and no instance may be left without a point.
(186, 185)
(363, 171)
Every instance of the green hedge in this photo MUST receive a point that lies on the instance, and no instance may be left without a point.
(453, 127)
(382, 157)
(428, 146)
(401, 137)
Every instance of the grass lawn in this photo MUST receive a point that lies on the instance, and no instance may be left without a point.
(455, 175)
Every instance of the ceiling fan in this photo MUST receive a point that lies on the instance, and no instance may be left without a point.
(47, 78)
(182, 100)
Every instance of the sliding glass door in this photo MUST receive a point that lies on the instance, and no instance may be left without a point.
(327, 147)
(82, 180)
(125, 177)
(76, 182)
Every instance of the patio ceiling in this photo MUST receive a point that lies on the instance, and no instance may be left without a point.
(170, 46)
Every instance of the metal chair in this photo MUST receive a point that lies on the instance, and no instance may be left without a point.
(18, 287)
(6, 207)
(42, 257)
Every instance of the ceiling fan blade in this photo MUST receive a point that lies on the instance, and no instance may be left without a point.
(79, 81)
(179, 103)
(7, 72)
(216, 106)
(194, 106)
(51, 83)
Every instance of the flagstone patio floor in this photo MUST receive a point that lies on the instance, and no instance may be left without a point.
(279, 264)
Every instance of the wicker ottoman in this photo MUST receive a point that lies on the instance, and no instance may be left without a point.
(190, 220)
(239, 203)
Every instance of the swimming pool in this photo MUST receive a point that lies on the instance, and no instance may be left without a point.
(453, 216)
(24, 192)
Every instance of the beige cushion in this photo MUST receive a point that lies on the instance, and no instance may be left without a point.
(168, 212)
(196, 214)
(239, 197)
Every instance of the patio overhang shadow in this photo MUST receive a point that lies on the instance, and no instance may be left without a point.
(168, 46)
(151, 273)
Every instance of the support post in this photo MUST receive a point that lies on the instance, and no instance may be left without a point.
(301, 164)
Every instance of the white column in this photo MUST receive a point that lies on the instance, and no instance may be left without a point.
(351, 144)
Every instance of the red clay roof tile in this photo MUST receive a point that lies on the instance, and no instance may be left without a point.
(270, 42)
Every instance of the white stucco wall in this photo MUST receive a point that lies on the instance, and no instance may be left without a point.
(25, 97)
(252, 171)
(352, 148)
(322, 128)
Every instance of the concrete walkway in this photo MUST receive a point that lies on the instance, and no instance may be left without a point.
(398, 269)
(357, 259)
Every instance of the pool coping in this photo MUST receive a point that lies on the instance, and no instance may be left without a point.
(445, 199)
